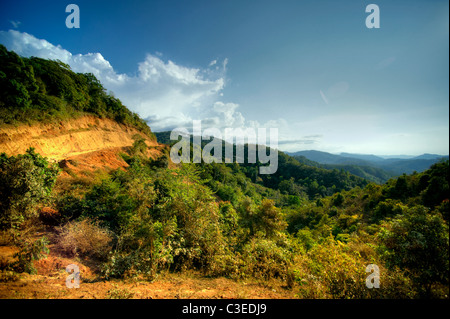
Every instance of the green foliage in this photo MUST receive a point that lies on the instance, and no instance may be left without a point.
(29, 252)
(296, 178)
(306, 238)
(387, 208)
(213, 218)
(25, 182)
(139, 147)
(162, 219)
(119, 293)
(317, 227)
(419, 242)
(338, 200)
(142, 249)
(264, 259)
(161, 162)
(199, 241)
(341, 271)
(266, 218)
(291, 178)
(437, 189)
(409, 230)
(35, 89)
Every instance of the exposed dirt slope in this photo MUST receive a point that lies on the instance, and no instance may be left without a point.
(50, 283)
(70, 138)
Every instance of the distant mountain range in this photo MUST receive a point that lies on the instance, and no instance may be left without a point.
(387, 166)
(374, 168)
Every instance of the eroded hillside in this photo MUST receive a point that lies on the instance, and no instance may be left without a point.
(88, 140)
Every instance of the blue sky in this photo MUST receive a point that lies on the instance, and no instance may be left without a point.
(310, 68)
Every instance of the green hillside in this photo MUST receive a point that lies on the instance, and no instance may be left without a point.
(39, 90)
(368, 172)
(374, 168)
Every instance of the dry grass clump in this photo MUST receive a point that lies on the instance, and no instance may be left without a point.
(84, 238)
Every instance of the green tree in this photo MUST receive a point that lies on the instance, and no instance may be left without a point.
(418, 242)
(265, 218)
(270, 219)
(139, 146)
(25, 181)
(438, 185)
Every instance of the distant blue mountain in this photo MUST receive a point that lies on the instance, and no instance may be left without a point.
(328, 158)
(391, 164)
(365, 157)
(429, 156)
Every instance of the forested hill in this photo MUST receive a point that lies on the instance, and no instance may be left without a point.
(292, 177)
(38, 90)
(366, 171)
(367, 167)
(374, 166)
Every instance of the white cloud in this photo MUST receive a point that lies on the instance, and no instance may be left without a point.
(164, 93)
(27, 45)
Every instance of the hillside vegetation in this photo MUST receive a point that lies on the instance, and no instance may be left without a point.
(374, 168)
(312, 230)
(39, 90)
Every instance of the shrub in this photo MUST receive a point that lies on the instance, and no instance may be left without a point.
(84, 238)
(142, 249)
(139, 147)
(306, 238)
(417, 241)
(336, 271)
(8, 276)
(25, 181)
(30, 252)
(264, 259)
(199, 239)
(119, 293)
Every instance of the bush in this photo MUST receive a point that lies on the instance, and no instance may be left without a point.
(30, 252)
(84, 238)
(25, 182)
(333, 271)
(199, 240)
(417, 241)
(142, 249)
(264, 259)
(119, 293)
(139, 147)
